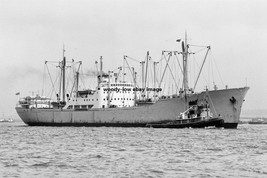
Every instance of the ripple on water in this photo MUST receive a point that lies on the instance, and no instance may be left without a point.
(132, 152)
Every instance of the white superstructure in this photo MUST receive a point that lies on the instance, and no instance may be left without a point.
(105, 96)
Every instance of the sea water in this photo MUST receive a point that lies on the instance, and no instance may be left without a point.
(132, 152)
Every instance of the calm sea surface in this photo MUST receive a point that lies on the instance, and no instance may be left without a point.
(132, 152)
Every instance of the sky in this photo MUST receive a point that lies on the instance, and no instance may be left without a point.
(32, 31)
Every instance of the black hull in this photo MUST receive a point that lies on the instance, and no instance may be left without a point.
(78, 124)
(203, 124)
(230, 125)
(217, 122)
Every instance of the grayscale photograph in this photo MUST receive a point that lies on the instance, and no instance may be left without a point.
(133, 88)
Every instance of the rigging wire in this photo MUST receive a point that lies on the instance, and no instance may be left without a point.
(130, 69)
(198, 51)
(82, 78)
(44, 78)
(209, 74)
(180, 72)
(189, 68)
(181, 69)
(198, 46)
(138, 73)
(161, 57)
(202, 73)
(168, 72)
(53, 83)
(179, 63)
(212, 76)
(133, 59)
(53, 86)
(74, 74)
(194, 69)
(69, 78)
(217, 68)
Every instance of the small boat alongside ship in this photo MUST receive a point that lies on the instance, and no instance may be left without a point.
(197, 116)
(119, 103)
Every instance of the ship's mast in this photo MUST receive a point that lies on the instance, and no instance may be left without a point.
(77, 82)
(101, 68)
(109, 88)
(185, 64)
(143, 80)
(134, 73)
(155, 63)
(63, 74)
(77, 78)
(147, 58)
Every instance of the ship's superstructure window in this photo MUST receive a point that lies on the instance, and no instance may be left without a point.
(111, 95)
(70, 107)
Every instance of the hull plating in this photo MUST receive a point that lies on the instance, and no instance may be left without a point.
(221, 103)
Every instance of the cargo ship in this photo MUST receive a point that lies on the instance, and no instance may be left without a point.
(116, 102)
